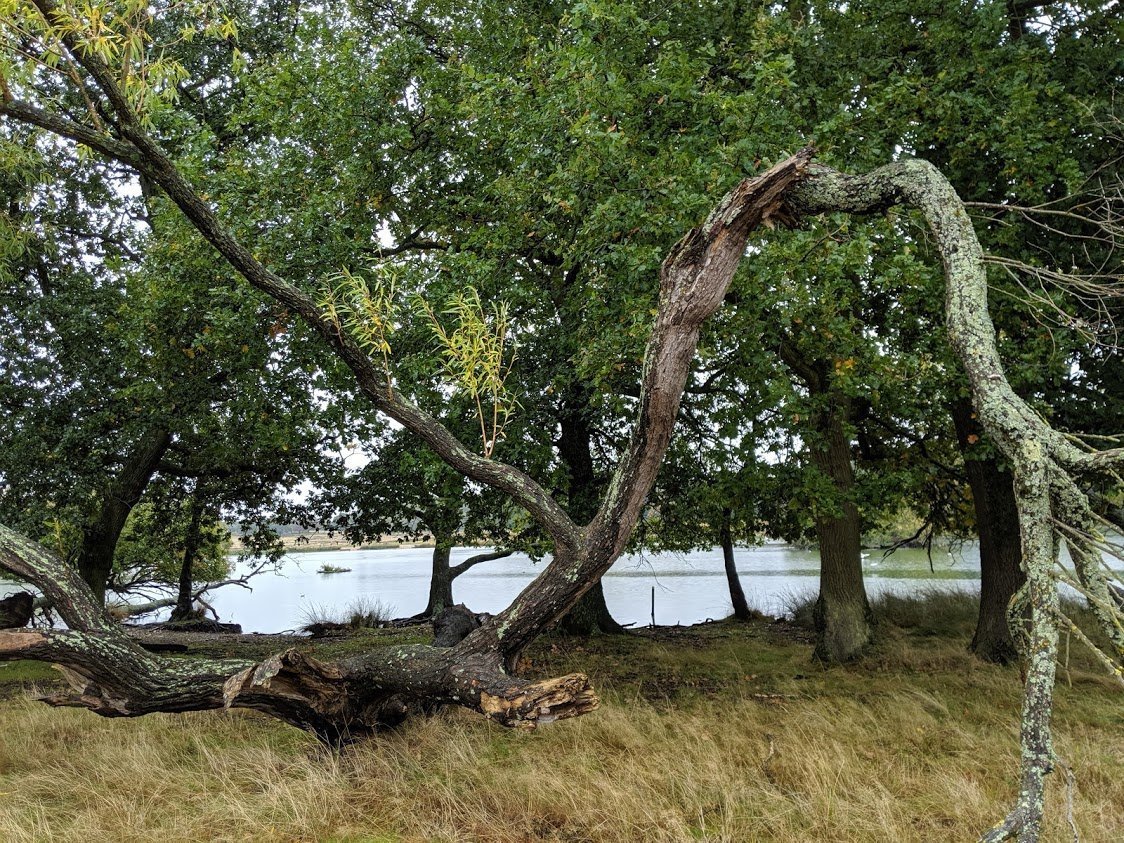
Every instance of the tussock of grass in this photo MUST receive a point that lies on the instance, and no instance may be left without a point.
(798, 607)
(727, 733)
(361, 613)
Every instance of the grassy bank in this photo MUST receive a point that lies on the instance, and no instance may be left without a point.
(721, 732)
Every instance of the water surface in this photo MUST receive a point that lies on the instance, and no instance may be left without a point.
(688, 588)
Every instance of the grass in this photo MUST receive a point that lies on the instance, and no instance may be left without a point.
(361, 613)
(718, 733)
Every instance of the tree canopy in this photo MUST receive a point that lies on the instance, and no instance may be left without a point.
(317, 186)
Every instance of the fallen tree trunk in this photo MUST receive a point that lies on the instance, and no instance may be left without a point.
(114, 676)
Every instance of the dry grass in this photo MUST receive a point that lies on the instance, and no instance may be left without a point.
(916, 743)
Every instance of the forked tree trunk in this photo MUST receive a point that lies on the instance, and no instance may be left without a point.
(737, 596)
(997, 522)
(102, 532)
(842, 612)
(443, 574)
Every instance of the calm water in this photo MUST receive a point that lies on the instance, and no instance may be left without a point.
(689, 588)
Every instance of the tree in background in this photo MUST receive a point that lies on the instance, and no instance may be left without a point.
(409, 493)
(1010, 101)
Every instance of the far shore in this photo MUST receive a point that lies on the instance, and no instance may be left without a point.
(322, 543)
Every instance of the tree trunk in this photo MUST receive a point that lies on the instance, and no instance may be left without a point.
(440, 579)
(185, 596)
(100, 535)
(443, 574)
(842, 613)
(591, 614)
(737, 596)
(997, 521)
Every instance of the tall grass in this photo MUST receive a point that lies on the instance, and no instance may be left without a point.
(360, 613)
(724, 734)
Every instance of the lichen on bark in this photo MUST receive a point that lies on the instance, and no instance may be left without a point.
(1046, 466)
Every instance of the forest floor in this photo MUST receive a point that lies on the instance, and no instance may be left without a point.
(720, 732)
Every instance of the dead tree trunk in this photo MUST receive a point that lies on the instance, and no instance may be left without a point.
(997, 522)
(113, 676)
(1045, 465)
(116, 678)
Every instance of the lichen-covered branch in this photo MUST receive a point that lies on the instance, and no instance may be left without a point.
(1044, 462)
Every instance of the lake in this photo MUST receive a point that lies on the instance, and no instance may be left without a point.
(689, 588)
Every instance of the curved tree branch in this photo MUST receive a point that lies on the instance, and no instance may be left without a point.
(472, 561)
(1042, 459)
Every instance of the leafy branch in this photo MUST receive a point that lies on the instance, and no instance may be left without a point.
(364, 310)
(476, 358)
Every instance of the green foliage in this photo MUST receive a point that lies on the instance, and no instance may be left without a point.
(547, 157)
(151, 547)
(477, 358)
(366, 310)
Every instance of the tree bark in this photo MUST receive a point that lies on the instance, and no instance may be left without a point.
(1045, 465)
(842, 612)
(185, 596)
(693, 282)
(440, 579)
(100, 534)
(737, 596)
(997, 521)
